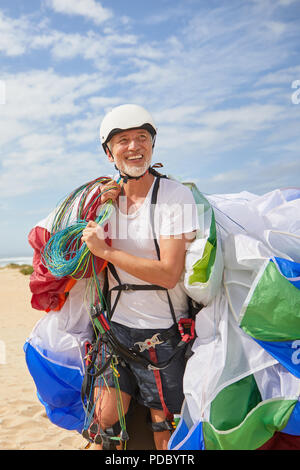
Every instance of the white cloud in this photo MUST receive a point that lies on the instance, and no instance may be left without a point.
(40, 168)
(13, 35)
(287, 2)
(39, 146)
(35, 139)
(90, 9)
(41, 95)
(258, 177)
(105, 101)
(198, 129)
(252, 117)
(181, 114)
(84, 130)
(283, 76)
(22, 35)
(276, 27)
(179, 137)
(90, 46)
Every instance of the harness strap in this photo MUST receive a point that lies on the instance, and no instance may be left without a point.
(153, 358)
(132, 354)
(110, 440)
(126, 287)
(165, 425)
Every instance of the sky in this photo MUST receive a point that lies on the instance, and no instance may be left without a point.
(220, 77)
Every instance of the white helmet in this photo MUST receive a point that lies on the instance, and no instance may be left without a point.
(124, 117)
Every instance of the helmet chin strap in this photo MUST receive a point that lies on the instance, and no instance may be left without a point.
(125, 177)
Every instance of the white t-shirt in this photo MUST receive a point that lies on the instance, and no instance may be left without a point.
(175, 214)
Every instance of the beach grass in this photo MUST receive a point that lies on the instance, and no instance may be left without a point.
(25, 269)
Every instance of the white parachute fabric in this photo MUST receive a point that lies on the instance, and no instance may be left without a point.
(250, 230)
(60, 336)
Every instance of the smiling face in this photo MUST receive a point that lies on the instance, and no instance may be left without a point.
(132, 151)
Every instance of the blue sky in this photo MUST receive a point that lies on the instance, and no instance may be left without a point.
(218, 76)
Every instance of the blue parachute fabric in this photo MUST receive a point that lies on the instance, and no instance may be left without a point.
(58, 389)
(291, 194)
(185, 439)
(286, 352)
(180, 433)
(290, 270)
(69, 418)
(293, 425)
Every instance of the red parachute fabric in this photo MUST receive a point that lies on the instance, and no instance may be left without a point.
(48, 292)
(282, 441)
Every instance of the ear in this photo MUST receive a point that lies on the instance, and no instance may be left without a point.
(109, 154)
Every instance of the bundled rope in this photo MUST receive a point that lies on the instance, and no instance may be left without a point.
(79, 203)
(65, 255)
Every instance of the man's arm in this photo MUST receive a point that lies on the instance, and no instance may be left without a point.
(165, 272)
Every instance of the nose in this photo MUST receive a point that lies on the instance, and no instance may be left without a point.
(133, 144)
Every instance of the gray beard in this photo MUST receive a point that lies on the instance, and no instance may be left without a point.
(134, 171)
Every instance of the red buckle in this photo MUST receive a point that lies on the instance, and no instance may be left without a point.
(186, 328)
(87, 349)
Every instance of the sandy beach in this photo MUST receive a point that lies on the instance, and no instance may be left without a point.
(24, 424)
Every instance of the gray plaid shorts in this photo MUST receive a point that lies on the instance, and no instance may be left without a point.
(138, 381)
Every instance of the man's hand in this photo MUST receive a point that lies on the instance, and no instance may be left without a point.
(94, 236)
(110, 190)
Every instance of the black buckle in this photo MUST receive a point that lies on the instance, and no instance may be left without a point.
(161, 426)
(128, 286)
(110, 440)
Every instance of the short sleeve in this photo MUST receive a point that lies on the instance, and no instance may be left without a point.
(177, 211)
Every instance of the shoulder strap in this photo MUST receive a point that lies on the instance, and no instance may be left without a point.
(152, 208)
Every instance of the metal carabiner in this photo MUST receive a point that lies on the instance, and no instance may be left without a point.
(149, 343)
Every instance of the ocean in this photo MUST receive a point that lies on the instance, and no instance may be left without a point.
(17, 260)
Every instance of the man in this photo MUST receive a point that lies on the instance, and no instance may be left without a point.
(147, 300)
(128, 135)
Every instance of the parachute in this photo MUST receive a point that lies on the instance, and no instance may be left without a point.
(241, 383)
